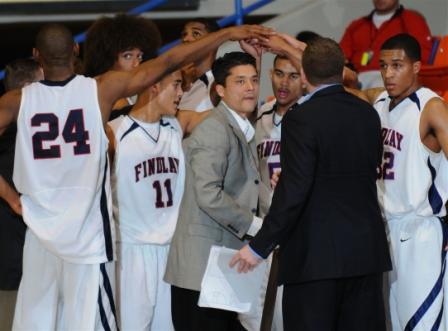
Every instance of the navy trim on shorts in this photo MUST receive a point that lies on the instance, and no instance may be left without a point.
(105, 215)
(436, 290)
(434, 198)
(103, 316)
(108, 289)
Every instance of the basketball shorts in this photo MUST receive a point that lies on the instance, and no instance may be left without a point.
(144, 299)
(417, 283)
(58, 295)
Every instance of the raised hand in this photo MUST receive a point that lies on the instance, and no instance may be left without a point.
(252, 47)
(243, 32)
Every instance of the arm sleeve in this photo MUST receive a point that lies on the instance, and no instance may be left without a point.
(298, 160)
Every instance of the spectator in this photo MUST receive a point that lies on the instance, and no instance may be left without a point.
(363, 38)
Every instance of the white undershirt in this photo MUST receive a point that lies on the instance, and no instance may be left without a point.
(379, 19)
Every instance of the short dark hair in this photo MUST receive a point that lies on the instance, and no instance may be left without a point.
(109, 36)
(405, 42)
(307, 36)
(55, 45)
(279, 57)
(221, 66)
(323, 62)
(209, 24)
(20, 72)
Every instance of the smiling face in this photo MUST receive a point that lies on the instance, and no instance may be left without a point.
(399, 72)
(193, 31)
(169, 94)
(286, 83)
(128, 60)
(241, 88)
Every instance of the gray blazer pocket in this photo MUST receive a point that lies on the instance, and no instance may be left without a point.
(205, 231)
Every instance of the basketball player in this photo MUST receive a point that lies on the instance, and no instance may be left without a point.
(61, 169)
(412, 187)
(120, 43)
(148, 184)
(198, 77)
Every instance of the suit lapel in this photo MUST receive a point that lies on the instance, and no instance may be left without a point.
(249, 148)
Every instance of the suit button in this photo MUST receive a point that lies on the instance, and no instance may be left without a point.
(254, 210)
(256, 181)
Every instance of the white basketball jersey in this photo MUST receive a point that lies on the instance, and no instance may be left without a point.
(61, 169)
(148, 180)
(412, 179)
(267, 137)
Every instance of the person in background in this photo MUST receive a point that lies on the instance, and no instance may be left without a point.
(363, 38)
(119, 43)
(18, 74)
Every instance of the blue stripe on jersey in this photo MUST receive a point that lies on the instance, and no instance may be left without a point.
(162, 123)
(435, 200)
(132, 128)
(105, 215)
(380, 100)
(414, 98)
(436, 290)
(108, 289)
(103, 316)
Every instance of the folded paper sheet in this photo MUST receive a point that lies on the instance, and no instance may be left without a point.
(223, 287)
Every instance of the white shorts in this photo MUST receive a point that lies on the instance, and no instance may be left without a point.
(252, 320)
(144, 299)
(58, 295)
(418, 279)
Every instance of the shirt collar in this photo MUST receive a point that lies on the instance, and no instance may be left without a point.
(319, 88)
(243, 123)
(397, 12)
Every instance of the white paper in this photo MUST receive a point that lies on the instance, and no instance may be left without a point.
(223, 287)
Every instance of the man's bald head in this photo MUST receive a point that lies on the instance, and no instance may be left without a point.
(55, 45)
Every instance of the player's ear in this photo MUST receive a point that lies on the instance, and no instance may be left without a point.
(35, 54)
(271, 73)
(76, 49)
(303, 78)
(220, 90)
(155, 88)
(416, 66)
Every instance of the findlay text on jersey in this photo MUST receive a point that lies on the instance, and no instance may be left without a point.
(156, 165)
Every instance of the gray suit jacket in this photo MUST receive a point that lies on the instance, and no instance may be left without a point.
(220, 198)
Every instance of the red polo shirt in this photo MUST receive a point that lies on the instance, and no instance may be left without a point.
(362, 37)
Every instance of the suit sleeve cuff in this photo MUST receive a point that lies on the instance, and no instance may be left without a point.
(256, 224)
(255, 253)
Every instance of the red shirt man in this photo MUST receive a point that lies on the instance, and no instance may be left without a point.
(363, 38)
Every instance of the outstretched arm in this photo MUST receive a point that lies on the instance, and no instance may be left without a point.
(285, 45)
(189, 119)
(115, 85)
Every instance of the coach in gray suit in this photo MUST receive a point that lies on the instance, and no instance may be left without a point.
(221, 193)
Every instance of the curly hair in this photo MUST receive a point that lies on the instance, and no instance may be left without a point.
(109, 36)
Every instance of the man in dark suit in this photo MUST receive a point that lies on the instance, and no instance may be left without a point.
(325, 214)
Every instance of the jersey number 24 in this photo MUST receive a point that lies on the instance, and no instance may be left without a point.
(73, 132)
